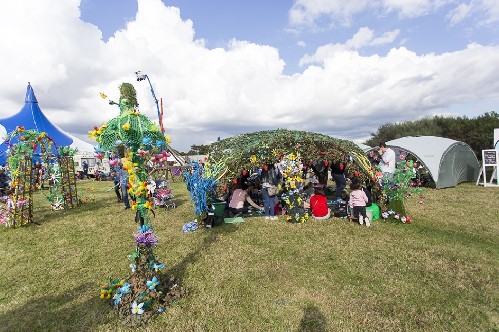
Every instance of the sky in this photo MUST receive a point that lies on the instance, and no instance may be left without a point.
(227, 67)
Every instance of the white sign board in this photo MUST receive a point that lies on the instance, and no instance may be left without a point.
(490, 159)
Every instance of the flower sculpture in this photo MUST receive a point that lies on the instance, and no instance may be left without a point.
(140, 139)
(293, 182)
(201, 182)
(399, 188)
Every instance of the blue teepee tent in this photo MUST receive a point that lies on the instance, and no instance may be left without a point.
(31, 118)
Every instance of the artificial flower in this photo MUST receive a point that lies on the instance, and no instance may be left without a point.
(126, 126)
(137, 308)
(117, 298)
(125, 289)
(147, 238)
(105, 294)
(158, 266)
(152, 283)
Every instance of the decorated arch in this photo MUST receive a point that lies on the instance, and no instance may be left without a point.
(247, 151)
(24, 146)
(292, 149)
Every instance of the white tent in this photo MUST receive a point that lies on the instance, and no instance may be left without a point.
(449, 162)
(82, 146)
(363, 147)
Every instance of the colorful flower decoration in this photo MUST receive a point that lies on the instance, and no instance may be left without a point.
(146, 238)
(152, 283)
(137, 308)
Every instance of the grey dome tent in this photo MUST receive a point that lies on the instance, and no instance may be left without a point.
(449, 162)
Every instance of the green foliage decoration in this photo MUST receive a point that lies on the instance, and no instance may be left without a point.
(247, 151)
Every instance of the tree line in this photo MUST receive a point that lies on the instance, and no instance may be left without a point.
(477, 132)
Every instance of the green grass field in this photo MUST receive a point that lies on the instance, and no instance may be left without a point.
(439, 273)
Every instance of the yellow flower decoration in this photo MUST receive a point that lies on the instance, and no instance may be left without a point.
(126, 126)
(253, 158)
(102, 95)
(168, 139)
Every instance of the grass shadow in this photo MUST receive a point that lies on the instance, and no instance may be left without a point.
(60, 312)
(312, 320)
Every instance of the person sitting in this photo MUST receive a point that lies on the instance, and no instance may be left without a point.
(309, 190)
(318, 205)
(238, 199)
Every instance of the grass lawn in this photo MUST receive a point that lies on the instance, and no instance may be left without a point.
(439, 273)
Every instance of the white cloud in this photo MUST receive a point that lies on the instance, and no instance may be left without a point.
(222, 92)
(308, 12)
(301, 43)
(459, 13)
(364, 37)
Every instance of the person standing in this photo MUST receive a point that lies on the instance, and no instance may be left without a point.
(116, 180)
(338, 169)
(357, 202)
(320, 168)
(97, 172)
(269, 179)
(387, 162)
(85, 169)
(123, 179)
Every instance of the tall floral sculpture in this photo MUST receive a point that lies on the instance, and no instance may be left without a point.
(293, 182)
(145, 293)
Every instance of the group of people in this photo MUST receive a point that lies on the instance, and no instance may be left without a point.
(99, 174)
(315, 173)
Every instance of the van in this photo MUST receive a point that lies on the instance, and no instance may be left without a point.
(91, 161)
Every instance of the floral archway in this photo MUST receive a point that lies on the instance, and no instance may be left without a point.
(247, 151)
(17, 209)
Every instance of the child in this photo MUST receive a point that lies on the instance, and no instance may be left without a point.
(358, 201)
(318, 204)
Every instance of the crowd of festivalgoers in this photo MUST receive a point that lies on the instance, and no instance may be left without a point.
(257, 189)
(345, 194)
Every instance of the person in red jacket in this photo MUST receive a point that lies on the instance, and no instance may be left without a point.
(318, 205)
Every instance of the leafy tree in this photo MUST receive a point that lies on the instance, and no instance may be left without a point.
(198, 149)
(477, 132)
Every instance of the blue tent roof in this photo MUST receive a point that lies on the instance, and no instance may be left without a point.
(31, 118)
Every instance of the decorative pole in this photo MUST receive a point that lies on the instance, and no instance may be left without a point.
(141, 77)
